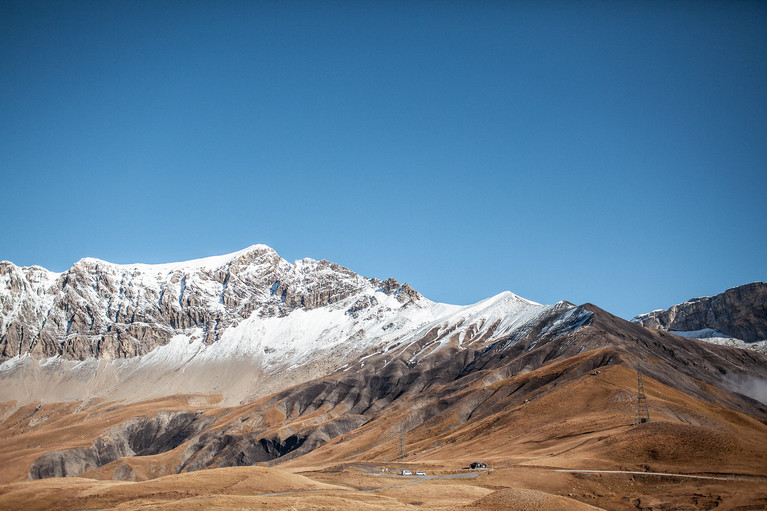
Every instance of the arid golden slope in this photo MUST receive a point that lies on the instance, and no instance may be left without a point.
(523, 443)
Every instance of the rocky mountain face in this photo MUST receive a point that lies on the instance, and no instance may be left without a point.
(108, 311)
(740, 312)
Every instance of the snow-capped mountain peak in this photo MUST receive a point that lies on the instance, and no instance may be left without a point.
(101, 309)
(249, 307)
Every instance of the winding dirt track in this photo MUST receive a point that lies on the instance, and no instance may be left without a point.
(663, 474)
(420, 479)
(415, 480)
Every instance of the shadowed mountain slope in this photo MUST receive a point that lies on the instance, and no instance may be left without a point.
(442, 397)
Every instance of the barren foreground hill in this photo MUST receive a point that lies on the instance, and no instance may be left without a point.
(546, 396)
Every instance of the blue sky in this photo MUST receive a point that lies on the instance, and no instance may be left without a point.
(610, 152)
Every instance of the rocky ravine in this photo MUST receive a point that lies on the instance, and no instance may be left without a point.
(740, 312)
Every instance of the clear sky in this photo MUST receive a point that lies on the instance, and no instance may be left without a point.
(610, 152)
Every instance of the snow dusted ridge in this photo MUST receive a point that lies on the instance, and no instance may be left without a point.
(198, 326)
(341, 333)
(716, 337)
(204, 263)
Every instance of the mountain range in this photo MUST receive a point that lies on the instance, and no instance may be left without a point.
(134, 372)
(117, 325)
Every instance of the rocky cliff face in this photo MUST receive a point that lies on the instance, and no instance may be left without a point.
(740, 312)
(104, 310)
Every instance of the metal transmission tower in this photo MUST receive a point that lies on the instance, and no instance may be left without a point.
(402, 453)
(643, 413)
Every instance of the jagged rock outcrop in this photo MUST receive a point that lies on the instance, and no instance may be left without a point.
(740, 312)
(104, 310)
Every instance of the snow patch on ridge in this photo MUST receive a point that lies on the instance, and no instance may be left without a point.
(204, 263)
(716, 337)
(302, 336)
